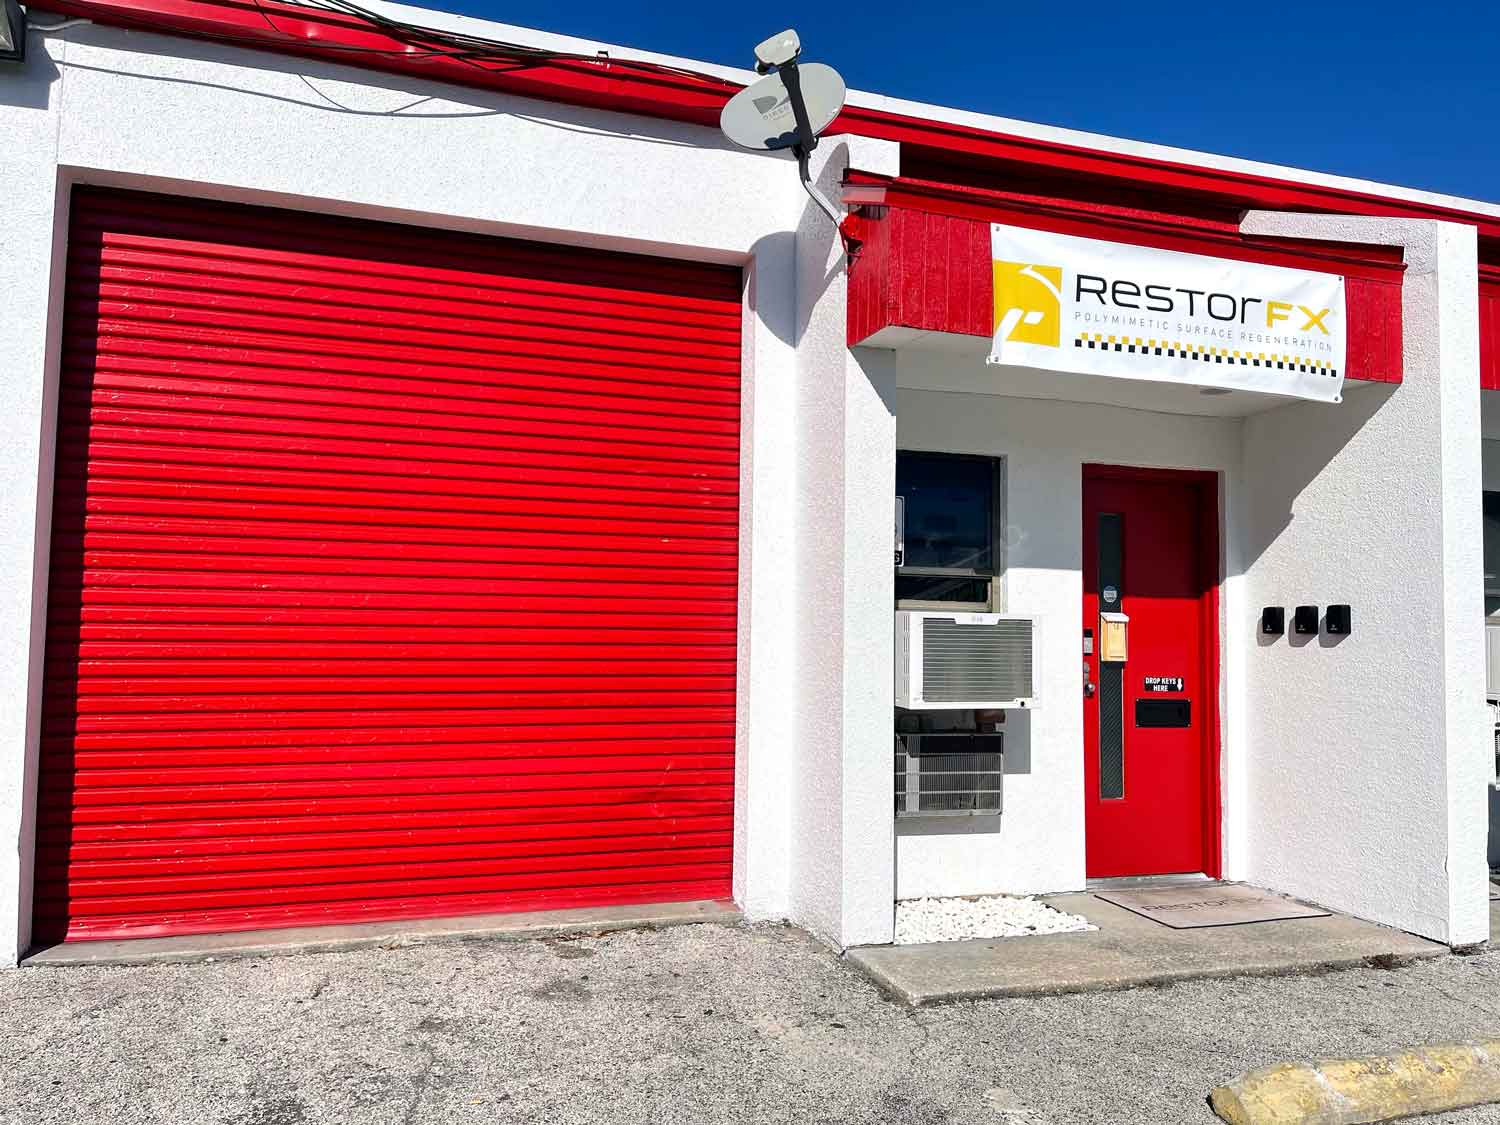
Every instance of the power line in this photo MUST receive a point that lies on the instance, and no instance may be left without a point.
(485, 54)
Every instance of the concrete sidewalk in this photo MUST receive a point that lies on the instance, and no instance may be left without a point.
(524, 926)
(1127, 951)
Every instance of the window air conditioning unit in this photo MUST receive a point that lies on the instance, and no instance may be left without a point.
(1495, 730)
(1492, 658)
(949, 774)
(961, 661)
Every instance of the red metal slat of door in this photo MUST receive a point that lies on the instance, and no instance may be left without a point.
(393, 575)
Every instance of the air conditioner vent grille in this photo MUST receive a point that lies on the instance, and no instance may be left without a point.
(963, 662)
(953, 775)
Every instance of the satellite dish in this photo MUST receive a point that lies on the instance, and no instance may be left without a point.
(787, 109)
(763, 115)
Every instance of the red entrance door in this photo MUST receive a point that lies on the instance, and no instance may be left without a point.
(1150, 553)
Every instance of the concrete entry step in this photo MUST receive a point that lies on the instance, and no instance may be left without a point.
(1126, 951)
(418, 931)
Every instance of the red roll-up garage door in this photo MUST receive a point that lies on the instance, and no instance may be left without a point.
(393, 574)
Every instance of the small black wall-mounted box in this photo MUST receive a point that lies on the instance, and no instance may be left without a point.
(1338, 621)
(1273, 621)
(1305, 620)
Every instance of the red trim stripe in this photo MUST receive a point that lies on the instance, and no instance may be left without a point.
(669, 93)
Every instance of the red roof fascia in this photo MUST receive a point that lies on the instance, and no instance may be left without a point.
(669, 93)
(1167, 230)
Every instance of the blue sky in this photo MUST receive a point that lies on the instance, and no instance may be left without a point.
(1407, 95)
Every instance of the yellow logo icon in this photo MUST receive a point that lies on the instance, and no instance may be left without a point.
(1028, 303)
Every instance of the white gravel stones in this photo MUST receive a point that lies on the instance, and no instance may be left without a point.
(923, 920)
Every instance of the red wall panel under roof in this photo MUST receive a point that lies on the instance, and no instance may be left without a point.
(923, 263)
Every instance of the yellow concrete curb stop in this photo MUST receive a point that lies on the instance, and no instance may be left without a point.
(1372, 1088)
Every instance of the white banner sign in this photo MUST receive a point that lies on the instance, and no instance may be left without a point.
(1105, 308)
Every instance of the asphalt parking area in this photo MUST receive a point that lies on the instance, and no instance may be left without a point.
(691, 1024)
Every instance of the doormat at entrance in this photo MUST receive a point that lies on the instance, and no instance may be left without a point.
(1193, 907)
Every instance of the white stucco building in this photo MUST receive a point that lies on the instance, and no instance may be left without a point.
(434, 488)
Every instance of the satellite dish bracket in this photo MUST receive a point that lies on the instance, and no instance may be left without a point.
(812, 189)
(807, 141)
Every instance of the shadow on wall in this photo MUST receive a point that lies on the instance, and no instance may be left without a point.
(948, 825)
(769, 297)
(782, 307)
(32, 87)
(816, 232)
(1295, 639)
(1310, 436)
(1017, 729)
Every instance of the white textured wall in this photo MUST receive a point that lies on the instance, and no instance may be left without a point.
(869, 791)
(766, 678)
(1037, 843)
(1369, 756)
(841, 841)
(28, 187)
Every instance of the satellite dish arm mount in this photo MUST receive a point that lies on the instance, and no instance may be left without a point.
(807, 140)
(812, 189)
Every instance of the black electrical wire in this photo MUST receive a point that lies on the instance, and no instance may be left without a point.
(405, 52)
(486, 54)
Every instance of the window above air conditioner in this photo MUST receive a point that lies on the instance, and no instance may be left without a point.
(948, 530)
